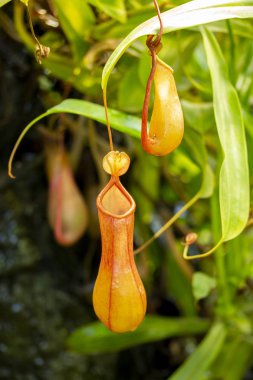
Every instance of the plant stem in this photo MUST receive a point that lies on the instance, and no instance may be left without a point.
(224, 299)
(168, 224)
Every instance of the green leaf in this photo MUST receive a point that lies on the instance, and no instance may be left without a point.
(233, 363)
(202, 284)
(61, 67)
(130, 92)
(120, 121)
(114, 8)
(3, 2)
(191, 14)
(196, 366)
(196, 147)
(95, 338)
(207, 186)
(248, 121)
(149, 166)
(177, 281)
(24, 2)
(241, 28)
(234, 173)
(198, 115)
(76, 20)
(114, 29)
(130, 125)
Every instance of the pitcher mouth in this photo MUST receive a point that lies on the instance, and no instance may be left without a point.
(115, 201)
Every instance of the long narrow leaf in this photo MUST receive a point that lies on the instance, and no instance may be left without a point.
(196, 146)
(95, 338)
(234, 174)
(114, 8)
(119, 121)
(198, 12)
(122, 123)
(199, 362)
(2, 2)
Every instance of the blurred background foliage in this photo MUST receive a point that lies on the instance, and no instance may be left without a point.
(199, 323)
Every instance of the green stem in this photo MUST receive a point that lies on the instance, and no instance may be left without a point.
(169, 223)
(20, 27)
(224, 299)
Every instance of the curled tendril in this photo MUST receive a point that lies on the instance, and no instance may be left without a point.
(191, 238)
(41, 52)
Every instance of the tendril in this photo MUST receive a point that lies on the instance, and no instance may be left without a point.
(41, 51)
(107, 120)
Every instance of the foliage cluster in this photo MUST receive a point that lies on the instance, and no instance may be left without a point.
(209, 44)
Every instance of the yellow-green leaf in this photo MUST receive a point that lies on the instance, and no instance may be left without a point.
(95, 338)
(114, 8)
(76, 18)
(234, 173)
(197, 365)
(193, 13)
(2, 2)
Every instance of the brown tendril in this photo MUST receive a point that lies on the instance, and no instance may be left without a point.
(41, 51)
(147, 97)
(154, 45)
(107, 121)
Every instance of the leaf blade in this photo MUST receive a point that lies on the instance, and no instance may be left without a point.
(96, 338)
(119, 121)
(202, 358)
(3, 2)
(76, 22)
(193, 13)
(114, 8)
(234, 174)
